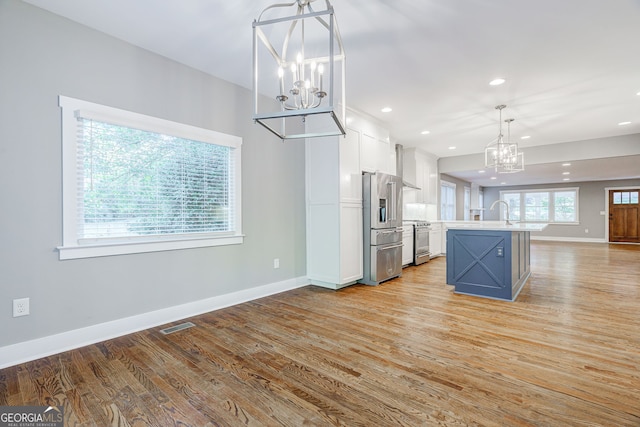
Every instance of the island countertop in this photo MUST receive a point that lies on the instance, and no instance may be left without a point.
(495, 225)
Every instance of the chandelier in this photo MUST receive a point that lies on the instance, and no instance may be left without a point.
(503, 157)
(298, 72)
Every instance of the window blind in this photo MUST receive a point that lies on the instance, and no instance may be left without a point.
(135, 183)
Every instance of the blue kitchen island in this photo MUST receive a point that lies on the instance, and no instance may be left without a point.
(489, 259)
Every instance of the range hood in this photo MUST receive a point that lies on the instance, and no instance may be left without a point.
(400, 167)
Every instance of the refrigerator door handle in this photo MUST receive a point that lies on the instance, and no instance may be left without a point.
(392, 207)
(384, 248)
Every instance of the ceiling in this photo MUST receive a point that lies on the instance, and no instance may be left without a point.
(572, 67)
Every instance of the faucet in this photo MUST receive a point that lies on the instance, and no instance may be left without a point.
(506, 205)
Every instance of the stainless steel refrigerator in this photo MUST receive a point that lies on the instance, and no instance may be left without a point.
(382, 210)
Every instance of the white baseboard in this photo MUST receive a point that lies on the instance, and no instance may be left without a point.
(42, 347)
(568, 239)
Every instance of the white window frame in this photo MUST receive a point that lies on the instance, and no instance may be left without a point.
(71, 247)
(467, 203)
(551, 192)
(452, 186)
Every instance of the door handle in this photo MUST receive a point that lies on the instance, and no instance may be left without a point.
(391, 247)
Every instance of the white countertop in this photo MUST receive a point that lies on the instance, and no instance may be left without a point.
(495, 225)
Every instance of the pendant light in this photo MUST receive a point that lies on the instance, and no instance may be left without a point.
(299, 71)
(503, 157)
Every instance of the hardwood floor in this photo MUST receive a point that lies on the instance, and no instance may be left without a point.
(407, 352)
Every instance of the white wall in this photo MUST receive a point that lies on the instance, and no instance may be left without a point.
(43, 56)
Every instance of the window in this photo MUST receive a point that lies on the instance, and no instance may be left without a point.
(448, 201)
(467, 203)
(564, 205)
(536, 206)
(549, 205)
(513, 200)
(134, 183)
(625, 197)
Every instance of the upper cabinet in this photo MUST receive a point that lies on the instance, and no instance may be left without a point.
(350, 167)
(377, 153)
(421, 170)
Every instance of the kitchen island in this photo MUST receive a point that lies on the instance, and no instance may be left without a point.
(489, 259)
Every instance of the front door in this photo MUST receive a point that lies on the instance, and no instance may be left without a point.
(624, 216)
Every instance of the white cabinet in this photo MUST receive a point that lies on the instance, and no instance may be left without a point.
(377, 154)
(407, 244)
(350, 258)
(334, 168)
(443, 248)
(435, 239)
(421, 169)
(369, 153)
(432, 179)
(350, 172)
(334, 210)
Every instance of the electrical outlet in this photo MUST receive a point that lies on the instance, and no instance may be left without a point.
(586, 230)
(20, 307)
(276, 263)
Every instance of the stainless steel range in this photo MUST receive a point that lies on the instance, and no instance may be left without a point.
(421, 253)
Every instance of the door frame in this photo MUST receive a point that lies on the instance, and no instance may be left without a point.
(606, 209)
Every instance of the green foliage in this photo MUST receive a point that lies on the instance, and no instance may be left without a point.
(140, 183)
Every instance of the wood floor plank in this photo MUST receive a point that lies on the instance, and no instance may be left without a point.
(406, 352)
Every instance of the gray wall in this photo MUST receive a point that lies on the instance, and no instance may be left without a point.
(43, 56)
(591, 199)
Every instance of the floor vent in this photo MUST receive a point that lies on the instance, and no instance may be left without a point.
(177, 328)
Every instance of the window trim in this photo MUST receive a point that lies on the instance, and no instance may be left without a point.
(71, 248)
(551, 192)
(467, 203)
(451, 185)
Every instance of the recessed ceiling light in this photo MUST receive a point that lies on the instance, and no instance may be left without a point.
(452, 148)
(387, 110)
(566, 179)
(624, 123)
(566, 173)
(425, 132)
(525, 137)
(566, 164)
(493, 177)
(503, 183)
(481, 171)
(638, 93)
(497, 82)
